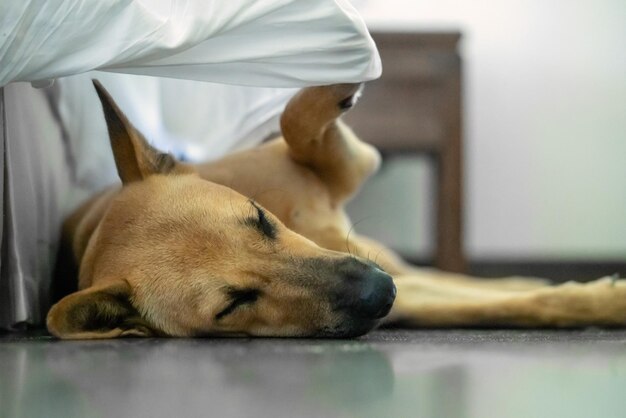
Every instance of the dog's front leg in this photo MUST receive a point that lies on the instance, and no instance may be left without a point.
(430, 303)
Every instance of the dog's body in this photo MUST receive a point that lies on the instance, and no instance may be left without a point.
(146, 251)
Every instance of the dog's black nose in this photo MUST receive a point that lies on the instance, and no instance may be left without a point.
(377, 294)
(367, 291)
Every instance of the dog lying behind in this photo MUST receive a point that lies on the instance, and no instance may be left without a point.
(258, 243)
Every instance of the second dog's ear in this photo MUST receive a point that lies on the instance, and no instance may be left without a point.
(135, 158)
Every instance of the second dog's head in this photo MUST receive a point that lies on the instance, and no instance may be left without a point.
(178, 255)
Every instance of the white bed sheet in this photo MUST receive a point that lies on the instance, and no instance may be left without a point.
(270, 43)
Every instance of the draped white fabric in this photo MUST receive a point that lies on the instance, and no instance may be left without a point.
(55, 140)
(270, 43)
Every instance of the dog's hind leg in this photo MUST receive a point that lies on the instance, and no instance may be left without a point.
(319, 140)
(424, 302)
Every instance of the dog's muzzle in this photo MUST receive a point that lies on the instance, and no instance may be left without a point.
(376, 296)
(365, 291)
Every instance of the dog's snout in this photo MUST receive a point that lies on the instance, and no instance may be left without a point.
(377, 294)
(368, 291)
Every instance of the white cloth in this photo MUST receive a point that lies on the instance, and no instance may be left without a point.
(271, 43)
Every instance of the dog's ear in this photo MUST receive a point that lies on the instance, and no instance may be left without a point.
(97, 312)
(135, 158)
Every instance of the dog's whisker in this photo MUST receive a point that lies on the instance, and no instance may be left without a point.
(348, 241)
(246, 208)
(377, 254)
(232, 209)
(352, 227)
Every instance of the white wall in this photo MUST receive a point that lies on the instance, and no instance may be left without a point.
(545, 97)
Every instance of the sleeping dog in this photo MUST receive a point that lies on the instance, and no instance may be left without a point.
(258, 243)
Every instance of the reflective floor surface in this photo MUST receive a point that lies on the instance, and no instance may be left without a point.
(389, 373)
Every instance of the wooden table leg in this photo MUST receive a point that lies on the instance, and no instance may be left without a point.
(449, 234)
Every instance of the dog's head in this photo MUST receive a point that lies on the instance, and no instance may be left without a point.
(178, 255)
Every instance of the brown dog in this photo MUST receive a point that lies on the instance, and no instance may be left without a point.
(258, 244)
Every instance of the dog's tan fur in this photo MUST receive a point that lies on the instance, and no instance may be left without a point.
(156, 254)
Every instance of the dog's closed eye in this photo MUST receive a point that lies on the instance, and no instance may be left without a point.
(238, 297)
(262, 223)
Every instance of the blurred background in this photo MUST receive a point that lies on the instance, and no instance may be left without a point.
(543, 93)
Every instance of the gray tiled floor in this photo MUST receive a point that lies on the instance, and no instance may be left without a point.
(385, 374)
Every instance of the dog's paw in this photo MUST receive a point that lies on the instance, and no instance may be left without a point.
(347, 94)
(601, 302)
